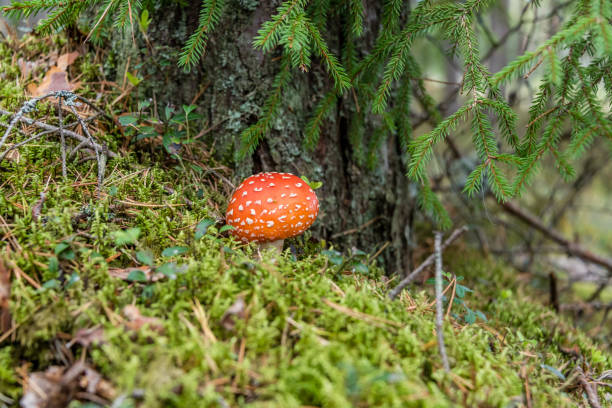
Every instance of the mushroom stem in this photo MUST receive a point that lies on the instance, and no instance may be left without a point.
(277, 245)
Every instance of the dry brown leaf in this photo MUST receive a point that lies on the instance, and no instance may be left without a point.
(26, 67)
(136, 320)
(57, 386)
(236, 310)
(46, 390)
(56, 78)
(65, 60)
(5, 296)
(123, 273)
(13, 156)
(37, 207)
(86, 337)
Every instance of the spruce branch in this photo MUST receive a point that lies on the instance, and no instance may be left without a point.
(569, 33)
(270, 32)
(312, 131)
(210, 15)
(335, 69)
(421, 148)
(429, 203)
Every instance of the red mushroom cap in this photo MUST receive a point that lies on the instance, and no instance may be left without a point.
(271, 206)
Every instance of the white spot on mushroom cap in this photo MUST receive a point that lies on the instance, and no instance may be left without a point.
(252, 211)
(244, 193)
(248, 203)
(298, 184)
(230, 212)
(240, 207)
(251, 182)
(282, 218)
(258, 189)
(292, 195)
(271, 185)
(269, 200)
(270, 224)
(283, 195)
(249, 221)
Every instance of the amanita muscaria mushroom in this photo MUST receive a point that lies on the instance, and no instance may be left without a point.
(269, 207)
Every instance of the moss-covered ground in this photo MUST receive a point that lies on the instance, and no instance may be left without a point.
(204, 322)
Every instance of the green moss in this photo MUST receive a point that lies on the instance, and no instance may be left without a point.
(298, 350)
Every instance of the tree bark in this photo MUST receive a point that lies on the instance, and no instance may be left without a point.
(238, 79)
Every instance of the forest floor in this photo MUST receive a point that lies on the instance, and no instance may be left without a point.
(134, 295)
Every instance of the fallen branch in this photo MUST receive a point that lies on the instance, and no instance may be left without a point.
(576, 307)
(52, 129)
(18, 117)
(430, 259)
(85, 142)
(572, 248)
(589, 389)
(439, 311)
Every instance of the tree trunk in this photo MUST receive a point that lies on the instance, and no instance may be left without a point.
(237, 79)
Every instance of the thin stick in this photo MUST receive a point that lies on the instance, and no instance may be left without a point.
(430, 259)
(28, 140)
(439, 309)
(590, 391)
(62, 138)
(100, 156)
(571, 247)
(52, 128)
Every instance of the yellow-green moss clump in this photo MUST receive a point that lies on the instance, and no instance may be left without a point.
(309, 333)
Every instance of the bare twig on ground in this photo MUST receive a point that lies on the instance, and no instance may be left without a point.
(430, 259)
(62, 138)
(571, 247)
(439, 309)
(37, 207)
(589, 389)
(85, 142)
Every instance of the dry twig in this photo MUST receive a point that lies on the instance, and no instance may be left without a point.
(571, 247)
(439, 308)
(85, 142)
(430, 259)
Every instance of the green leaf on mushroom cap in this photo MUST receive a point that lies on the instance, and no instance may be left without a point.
(313, 184)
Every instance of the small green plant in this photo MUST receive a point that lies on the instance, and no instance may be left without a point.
(468, 315)
(356, 262)
(176, 130)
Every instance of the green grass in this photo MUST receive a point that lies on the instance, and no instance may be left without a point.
(309, 334)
